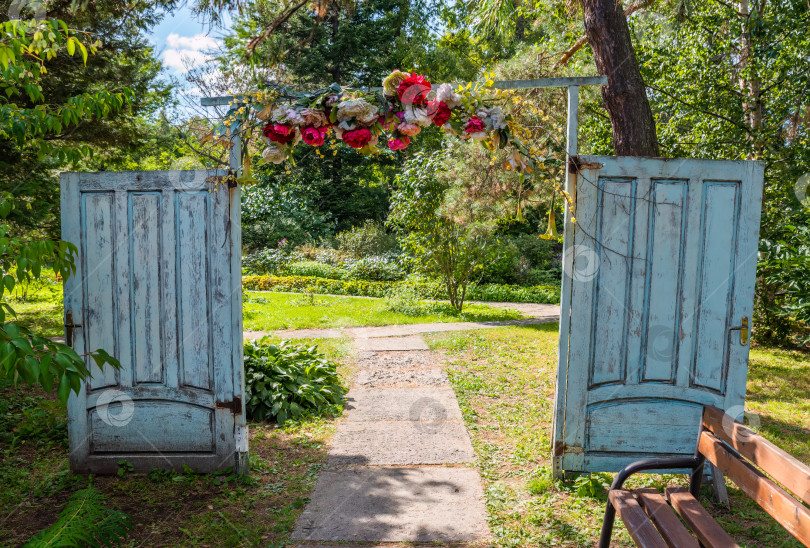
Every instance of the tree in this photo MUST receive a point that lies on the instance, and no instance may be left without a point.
(446, 242)
(25, 46)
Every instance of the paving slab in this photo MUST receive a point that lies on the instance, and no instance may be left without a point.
(395, 505)
(414, 342)
(397, 360)
(401, 404)
(406, 378)
(400, 443)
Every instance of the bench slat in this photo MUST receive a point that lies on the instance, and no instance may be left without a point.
(641, 529)
(702, 524)
(790, 513)
(665, 520)
(786, 469)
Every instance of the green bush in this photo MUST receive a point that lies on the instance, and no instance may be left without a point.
(405, 299)
(288, 381)
(316, 269)
(549, 294)
(268, 261)
(377, 268)
(368, 239)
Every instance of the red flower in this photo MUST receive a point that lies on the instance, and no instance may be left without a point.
(279, 133)
(439, 112)
(474, 125)
(413, 89)
(357, 138)
(314, 135)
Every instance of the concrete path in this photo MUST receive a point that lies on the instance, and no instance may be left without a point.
(399, 467)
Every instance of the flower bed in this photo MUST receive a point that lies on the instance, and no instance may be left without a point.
(549, 294)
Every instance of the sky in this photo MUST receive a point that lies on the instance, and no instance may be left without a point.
(182, 39)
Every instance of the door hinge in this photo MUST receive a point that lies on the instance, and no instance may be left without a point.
(235, 405)
(560, 449)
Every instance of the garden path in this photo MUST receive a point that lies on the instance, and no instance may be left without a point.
(399, 467)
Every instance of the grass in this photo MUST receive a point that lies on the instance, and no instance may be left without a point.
(166, 508)
(269, 311)
(504, 380)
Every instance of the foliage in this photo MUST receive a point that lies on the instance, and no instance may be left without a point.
(24, 355)
(449, 245)
(405, 299)
(85, 522)
(315, 269)
(370, 238)
(272, 260)
(273, 212)
(378, 268)
(549, 293)
(287, 381)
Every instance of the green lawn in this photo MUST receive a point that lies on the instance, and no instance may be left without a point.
(268, 311)
(504, 379)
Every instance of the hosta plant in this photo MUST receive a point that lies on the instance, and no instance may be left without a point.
(288, 381)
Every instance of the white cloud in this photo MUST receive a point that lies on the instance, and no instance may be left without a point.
(187, 52)
(198, 42)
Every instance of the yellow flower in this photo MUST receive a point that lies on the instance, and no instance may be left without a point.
(391, 82)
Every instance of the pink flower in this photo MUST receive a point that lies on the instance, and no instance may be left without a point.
(400, 143)
(408, 129)
(439, 112)
(474, 125)
(357, 138)
(314, 135)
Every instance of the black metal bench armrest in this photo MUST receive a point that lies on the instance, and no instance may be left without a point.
(695, 464)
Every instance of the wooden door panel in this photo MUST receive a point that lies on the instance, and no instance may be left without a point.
(156, 286)
(659, 268)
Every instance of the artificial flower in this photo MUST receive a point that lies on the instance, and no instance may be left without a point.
(418, 116)
(347, 126)
(357, 138)
(391, 82)
(294, 117)
(359, 109)
(439, 112)
(314, 136)
(279, 115)
(408, 129)
(400, 143)
(314, 117)
(474, 125)
(413, 90)
(446, 95)
(275, 154)
(279, 133)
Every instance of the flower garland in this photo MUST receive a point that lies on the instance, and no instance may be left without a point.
(406, 105)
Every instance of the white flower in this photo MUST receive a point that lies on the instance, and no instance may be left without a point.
(347, 126)
(418, 116)
(274, 154)
(279, 115)
(359, 109)
(314, 117)
(498, 118)
(294, 117)
(446, 95)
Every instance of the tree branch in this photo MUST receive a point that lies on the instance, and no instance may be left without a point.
(256, 41)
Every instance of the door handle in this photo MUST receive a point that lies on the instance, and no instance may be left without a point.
(743, 329)
(69, 327)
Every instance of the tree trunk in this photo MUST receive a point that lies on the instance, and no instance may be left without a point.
(750, 85)
(624, 96)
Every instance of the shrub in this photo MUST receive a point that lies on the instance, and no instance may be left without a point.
(368, 239)
(316, 269)
(288, 381)
(548, 294)
(268, 261)
(405, 299)
(378, 268)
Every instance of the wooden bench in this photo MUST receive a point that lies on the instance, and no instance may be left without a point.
(740, 454)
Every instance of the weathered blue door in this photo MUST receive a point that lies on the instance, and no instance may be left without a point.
(158, 286)
(658, 290)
